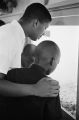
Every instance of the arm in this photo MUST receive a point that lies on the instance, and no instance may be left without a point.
(8, 88)
(43, 88)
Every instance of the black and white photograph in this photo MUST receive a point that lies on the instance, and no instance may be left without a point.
(39, 59)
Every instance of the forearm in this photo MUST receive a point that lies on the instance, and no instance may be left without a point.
(8, 88)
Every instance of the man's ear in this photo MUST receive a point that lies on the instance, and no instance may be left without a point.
(35, 23)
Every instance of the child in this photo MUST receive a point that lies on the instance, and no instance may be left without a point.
(27, 56)
(47, 55)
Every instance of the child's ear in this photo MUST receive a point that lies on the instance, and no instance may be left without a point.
(51, 61)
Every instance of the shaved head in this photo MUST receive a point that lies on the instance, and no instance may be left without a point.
(47, 49)
(47, 55)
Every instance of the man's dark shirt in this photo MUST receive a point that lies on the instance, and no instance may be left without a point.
(44, 108)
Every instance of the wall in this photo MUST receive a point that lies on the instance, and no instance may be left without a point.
(66, 17)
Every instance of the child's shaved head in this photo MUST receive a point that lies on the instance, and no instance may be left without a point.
(28, 55)
(47, 47)
(47, 55)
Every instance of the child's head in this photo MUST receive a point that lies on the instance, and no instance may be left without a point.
(27, 56)
(47, 56)
(35, 20)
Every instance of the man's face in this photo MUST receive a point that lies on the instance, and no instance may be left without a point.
(38, 30)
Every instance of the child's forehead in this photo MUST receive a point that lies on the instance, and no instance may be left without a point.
(29, 49)
(50, 51)
(48, 55)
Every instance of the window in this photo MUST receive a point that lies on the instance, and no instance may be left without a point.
(66, 72)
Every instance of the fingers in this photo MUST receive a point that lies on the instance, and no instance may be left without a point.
(50, 80)
(55, 87)
(52, 95)
(53, 82)
(53, 92)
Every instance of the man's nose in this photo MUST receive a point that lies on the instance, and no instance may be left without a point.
(42, 35)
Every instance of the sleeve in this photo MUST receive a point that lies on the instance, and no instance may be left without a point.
(4, 63)
(4, 56)
(6, 51)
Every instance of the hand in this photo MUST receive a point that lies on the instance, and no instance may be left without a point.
(47, 87)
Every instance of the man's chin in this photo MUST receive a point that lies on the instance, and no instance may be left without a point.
(47, 72)
(33, 38)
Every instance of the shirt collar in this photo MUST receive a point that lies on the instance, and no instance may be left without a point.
(39, 68)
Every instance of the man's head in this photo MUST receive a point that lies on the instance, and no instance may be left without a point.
(47, 55)
(27, 56)
(35, 20)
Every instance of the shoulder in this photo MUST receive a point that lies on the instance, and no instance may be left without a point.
(18, 71)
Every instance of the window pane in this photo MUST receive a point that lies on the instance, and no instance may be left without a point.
(66, 72)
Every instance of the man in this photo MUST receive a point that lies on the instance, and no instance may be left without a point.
(12, 39)
(47, 56)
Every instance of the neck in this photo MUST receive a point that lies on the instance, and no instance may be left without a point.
(23, 26)
(40, 65)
